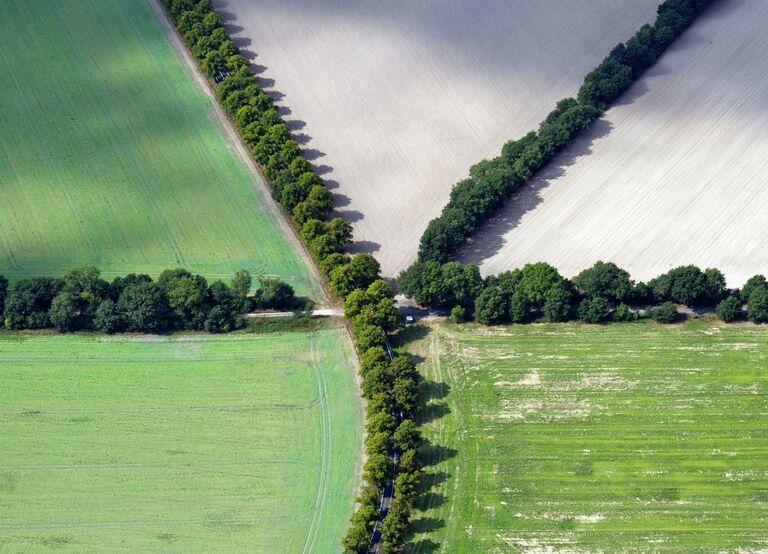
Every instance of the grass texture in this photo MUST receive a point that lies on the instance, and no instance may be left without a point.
(111, 153)
(187, 443)
(576, 438)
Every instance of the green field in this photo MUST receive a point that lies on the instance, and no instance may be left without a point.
(575, 438)
(236, 443)
(111, 153)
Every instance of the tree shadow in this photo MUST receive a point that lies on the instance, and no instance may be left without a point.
(433, 454)
(424, 545)
(410, 334)
(362, 246)
(351, 216)
(487, 241)
(427, 524)
(429, 500)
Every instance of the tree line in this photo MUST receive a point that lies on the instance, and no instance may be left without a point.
(390, 386)
(491, 182)
(599, 294)
(82, 300)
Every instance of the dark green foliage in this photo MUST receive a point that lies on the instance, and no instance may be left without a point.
(107, 318)
(273, 294)
(187, 296)
(407, 435)
(557, 304)
(492, 306)
(729, 309)
(241, 286)
(64, 311)
(604, 279)
(441, 285)
(689, 285)
(595, 309)
(753, 283)
(623, 314)
(458, 314)
(27, 305)
(144, 308)
(537, 280)
(491, 182)
(519, 307)
(665, 313)
(360, 272)
(757, 306)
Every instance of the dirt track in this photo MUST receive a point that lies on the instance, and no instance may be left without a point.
(674, 174)
(395, 100)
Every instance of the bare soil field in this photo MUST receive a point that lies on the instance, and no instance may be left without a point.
(674, 174)
(395, 100)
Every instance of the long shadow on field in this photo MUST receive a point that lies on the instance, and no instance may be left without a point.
(294, 125)
(432, 396)
(489, 240)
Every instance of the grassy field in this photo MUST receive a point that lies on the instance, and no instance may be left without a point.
(574, 438)
(237, 443)
(111, 154)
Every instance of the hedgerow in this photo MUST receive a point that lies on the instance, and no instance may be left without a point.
(389, 385)
(82, 301)
(492, 182)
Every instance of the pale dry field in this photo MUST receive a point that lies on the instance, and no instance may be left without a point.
(674, 174)
(395, 100)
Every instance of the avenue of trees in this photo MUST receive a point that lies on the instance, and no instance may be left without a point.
(390, 386)
(599, 294)
(82, 301)
(492, 182)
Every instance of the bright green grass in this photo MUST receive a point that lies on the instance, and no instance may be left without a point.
(111, 155)
(573, 438)
(234, 443)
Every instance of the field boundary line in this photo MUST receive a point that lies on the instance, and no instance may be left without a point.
(282, 221)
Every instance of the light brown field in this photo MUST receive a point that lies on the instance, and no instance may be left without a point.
(674, 174)
(397, 99)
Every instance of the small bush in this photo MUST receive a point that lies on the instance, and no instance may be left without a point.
(458, 314)
(665, 313)
(729, 309)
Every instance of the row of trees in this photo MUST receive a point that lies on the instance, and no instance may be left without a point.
(491, 182)
(389, 385)
(598, 294)
(82, 300)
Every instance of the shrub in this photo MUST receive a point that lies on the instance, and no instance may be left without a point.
(458, 314)
(557, 304)
(665, 313)
(757, 306)
(491, 306)
(623, 313)
(595, 310)
(604, 279)
(729, 309)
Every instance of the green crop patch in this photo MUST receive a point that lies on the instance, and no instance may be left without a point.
(112, 155)
(576, 438)
(187, 443)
